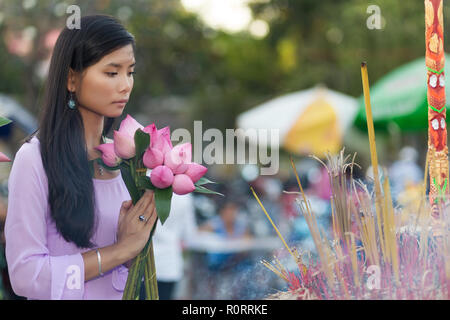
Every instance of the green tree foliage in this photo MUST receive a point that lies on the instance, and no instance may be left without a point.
(213, 75)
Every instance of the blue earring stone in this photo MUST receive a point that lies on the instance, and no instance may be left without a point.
(71, 103)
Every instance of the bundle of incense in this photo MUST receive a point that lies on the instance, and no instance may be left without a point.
(370, 254)
(376, 257)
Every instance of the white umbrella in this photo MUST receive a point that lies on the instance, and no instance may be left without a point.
(310, 121)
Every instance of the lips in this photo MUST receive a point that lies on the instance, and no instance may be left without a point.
(121, 101)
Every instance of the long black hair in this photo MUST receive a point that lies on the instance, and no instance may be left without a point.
(61, 130)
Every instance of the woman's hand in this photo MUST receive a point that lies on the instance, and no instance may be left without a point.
(132, 233)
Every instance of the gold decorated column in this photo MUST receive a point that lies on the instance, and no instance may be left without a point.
(437, 126)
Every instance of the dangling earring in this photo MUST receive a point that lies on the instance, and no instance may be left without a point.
(71, 103)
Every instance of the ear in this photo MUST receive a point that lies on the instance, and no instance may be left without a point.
(72, 80)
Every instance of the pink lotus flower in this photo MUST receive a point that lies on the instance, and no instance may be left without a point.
(4, 158)
(124, 138)
(178, 158)
(153, 158)
(163, 141)
(151, 129)
(182, 184)
(124, 145)
(159, 139)
(195, 171)
(109, 157)
(161, 177)
(129, 126)
(171, 172)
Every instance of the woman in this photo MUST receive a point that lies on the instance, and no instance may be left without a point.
(71, 235)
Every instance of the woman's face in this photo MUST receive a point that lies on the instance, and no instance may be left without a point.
(105, 87)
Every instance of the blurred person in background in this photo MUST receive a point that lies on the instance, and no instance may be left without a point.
(405, 171)
(406, 179)
(229, 224)
(225, 267)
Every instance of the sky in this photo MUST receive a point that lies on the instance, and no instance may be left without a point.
(227, 15)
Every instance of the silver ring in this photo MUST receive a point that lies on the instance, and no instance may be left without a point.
(142, 218)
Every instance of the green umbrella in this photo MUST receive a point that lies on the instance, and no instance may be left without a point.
(400, 97)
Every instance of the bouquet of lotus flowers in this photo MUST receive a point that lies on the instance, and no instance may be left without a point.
(136, 150)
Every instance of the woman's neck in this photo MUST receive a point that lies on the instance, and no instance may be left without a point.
(93, 129)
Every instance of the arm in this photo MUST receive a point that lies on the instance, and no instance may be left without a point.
(34, 273)
(111, 257)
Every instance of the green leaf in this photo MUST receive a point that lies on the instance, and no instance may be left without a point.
(202, 181)
(141, 141)
(131, 186)
(163, 198)
(145, 183)
(201, 189)
(4, 121)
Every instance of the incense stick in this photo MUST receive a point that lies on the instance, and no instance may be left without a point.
(274, 226)
(373, 150)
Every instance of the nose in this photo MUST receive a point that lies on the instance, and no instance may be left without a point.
(126, 84)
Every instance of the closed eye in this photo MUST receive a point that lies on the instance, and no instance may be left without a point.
(112, 74)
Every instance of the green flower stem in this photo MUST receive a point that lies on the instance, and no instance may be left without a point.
(132, 280)
(144, 264)
(148, 291)
(151, 286)
(154, 281)
(149, 269)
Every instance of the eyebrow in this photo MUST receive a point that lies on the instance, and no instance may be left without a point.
(118, 65)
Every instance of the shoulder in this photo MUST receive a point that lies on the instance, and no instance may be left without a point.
(28, 158)
(29, 153)
(27, 174)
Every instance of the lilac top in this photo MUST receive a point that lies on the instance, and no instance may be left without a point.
(41, 264)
